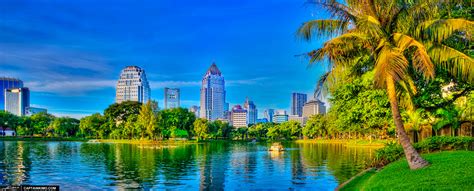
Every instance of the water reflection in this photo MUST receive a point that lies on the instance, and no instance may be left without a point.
(208, 166)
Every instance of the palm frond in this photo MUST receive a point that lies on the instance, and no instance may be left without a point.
(337, 10)
(342, 49)
(421, 60)
(440, 29)
(370, 26)
(406, 93)
(325, 27)
(390, 62)
(455, 62)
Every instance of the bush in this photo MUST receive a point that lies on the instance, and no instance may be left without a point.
(394, 151)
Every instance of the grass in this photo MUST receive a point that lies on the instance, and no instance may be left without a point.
(449, 170)
(349, 142)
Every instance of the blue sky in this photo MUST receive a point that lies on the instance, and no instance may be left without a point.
(70, 53)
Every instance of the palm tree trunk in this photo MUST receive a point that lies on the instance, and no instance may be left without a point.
(413, 157)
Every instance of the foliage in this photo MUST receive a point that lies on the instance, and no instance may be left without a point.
(315, 127)
(392, 152)
(146, 121)
(201, 129)
(91, 126)
(119, 112)
(359, 108)
(40, 123)
(179, 118)
(65, 126)
(8, 120)
(397, 40)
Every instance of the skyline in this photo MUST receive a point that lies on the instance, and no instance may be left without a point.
(71, 60)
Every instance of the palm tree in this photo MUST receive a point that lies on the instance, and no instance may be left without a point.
(396, 38)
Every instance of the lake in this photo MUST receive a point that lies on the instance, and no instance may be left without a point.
(206, 166)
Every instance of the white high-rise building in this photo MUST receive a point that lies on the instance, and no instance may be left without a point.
(172, 98)
(132, 85)
(17, 100)
(213, 94)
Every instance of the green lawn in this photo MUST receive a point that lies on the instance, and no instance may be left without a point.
(449, 170)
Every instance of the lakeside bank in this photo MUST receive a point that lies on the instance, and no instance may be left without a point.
(449, 170)
(346, 142)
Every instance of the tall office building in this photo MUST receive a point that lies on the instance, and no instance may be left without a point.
(238, 117)
(213, 94)
(297, 102)
(313, 107)
(252, 111)
(172, 98)
(132, 85)
(17, 100)
(5, 84)
(268, 114)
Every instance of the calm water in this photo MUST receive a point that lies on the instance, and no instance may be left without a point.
(209, 166)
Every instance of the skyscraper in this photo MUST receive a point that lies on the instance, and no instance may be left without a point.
(17, 100)
(172, 98)
(252, 111)
(5, 84)
(297, 102)
(132, 85)
(212, 94)
(269, 114)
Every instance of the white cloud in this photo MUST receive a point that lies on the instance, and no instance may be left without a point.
(69, 87)
(162, 84)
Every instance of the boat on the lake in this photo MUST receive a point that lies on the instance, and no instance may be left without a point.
(277, 147)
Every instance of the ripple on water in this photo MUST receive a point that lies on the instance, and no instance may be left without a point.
(213, 166)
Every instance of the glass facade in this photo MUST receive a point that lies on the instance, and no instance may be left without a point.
(5, 84)
(297, 102)
(17, 100)
(213, 95)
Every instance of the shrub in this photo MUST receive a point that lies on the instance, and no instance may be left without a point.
(394, 151)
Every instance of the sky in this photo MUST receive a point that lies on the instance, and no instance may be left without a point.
(70, 53)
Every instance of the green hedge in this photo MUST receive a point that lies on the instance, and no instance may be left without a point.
(394, 151)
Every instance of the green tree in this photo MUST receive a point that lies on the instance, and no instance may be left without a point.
(90, 126)
(146, 121)
(24, 126)
(119, 112)
(179, 118)
(8, 120)
(315, 127)
(65, 126)
(40, 123)
(259, 130)
(399, 37)
(201, 129)
(131, 129)
(290, 130)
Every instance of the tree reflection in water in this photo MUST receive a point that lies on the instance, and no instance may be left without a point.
(206, 166)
